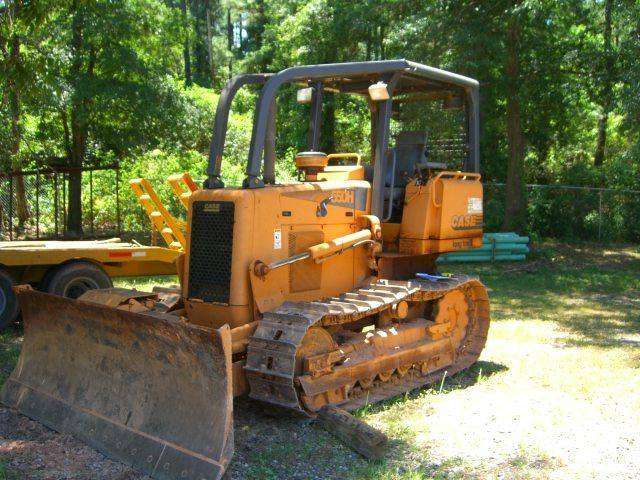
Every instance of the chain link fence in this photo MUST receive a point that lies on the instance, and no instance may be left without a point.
(34, 204)
(110, 209)
(572, 213)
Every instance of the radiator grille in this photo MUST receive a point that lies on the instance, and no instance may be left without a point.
(210, 251)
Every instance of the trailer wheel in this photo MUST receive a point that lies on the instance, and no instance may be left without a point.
(73, 279)
(8, 301)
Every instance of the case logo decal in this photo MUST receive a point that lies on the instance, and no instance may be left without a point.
(466, 222)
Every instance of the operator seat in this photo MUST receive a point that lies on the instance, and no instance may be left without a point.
(410, 150)
(408, 154)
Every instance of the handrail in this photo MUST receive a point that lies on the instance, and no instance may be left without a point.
(452, 175)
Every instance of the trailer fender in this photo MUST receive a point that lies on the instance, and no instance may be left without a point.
(8, 301)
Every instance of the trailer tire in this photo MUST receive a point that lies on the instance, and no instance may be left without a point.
(73, 279)
(8, 301)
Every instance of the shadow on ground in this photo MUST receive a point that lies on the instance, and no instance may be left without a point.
(283, 446)
(592, 293)
(467, 378)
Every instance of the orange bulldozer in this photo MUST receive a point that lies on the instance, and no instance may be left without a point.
(318, 292)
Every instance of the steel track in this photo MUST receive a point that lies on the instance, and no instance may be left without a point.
(271, 353)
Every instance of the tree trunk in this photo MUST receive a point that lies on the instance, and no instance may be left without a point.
(514, 215)
(188, 78)
(22, 209)
(260, 26)
(261, 22)
(607, 87)
(328, 136)
(212, 66)
(78, 147)
(601, 140)
(373, 122)
(230, 41)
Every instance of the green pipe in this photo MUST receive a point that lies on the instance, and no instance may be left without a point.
(501, 234)
(489, 253)
(501, 247)
(504, 237)
(505, 247)
(478, 258)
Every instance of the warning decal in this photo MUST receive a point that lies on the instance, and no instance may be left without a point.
(474, 205)
(277, 239)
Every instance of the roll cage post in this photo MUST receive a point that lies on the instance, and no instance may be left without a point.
(221, 122)
(263, 133)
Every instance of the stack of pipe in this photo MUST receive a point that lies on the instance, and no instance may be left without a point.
(496, 247)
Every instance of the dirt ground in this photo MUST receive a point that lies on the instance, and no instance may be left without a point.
(556, 394)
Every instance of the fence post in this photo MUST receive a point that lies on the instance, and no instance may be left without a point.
(11, 207)
(118, 218)
(1, 210)
(55, 202)
(91, 201)
(38, 204)
(600, 215)
(65, 179)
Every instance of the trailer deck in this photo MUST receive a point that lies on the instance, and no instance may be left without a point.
(27, 259)
(69, 268)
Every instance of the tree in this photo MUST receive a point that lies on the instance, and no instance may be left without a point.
(111, 82)
(514, 198)
(607, 80)
(18, 21)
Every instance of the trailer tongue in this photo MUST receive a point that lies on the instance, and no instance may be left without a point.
(149, 390)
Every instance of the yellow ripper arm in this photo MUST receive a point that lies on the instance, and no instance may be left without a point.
(168, 226)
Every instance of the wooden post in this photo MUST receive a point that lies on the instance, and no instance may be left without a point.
(364, 439)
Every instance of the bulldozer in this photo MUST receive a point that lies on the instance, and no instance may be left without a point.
(318, 292)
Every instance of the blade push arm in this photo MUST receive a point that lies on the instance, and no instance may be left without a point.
(323, 251)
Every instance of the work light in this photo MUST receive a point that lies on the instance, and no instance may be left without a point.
(378, 92)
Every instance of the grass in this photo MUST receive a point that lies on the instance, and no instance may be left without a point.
(556, 393)
(5, 473)
(145, 283)
(9, 352)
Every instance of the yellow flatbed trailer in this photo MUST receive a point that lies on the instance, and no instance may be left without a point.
(69, 268)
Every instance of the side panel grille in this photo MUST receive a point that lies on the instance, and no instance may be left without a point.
(210, 251)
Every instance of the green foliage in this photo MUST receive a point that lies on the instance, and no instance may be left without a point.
(113, 75)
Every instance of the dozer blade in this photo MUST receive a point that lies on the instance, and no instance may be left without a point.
(153, 392)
